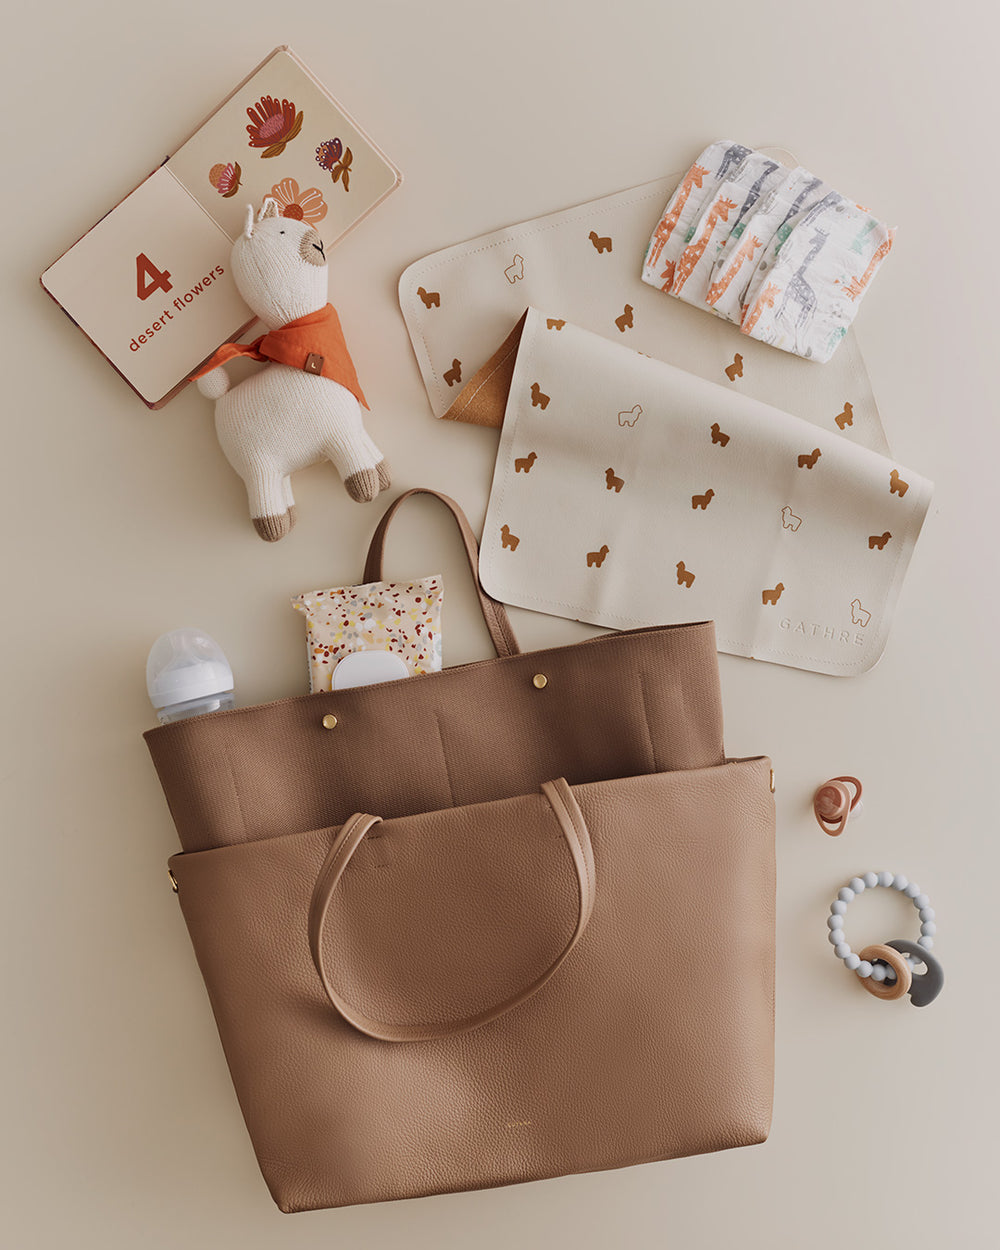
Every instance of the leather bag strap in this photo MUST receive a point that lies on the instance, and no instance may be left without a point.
(494, 613)
(346, 842)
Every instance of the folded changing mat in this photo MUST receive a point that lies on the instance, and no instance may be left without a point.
(628, 492)
(583, 264)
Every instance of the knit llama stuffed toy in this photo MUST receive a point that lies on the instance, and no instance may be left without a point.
(304, 406)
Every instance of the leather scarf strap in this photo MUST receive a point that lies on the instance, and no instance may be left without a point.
(349, 838)
(494, 613)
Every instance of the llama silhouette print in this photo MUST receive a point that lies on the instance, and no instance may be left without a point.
(596, 558)
(515, 270)
(538, 398)
(772, 596)
(896, 484)
(625, 321)
(789, 520)
(720, 438)
(846, 417)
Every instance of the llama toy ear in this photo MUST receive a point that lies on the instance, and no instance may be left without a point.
(269, 209)
(248, 222)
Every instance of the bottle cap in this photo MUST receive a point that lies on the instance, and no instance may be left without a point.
(186, 664)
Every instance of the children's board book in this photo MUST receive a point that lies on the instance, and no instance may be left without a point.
(149, 284)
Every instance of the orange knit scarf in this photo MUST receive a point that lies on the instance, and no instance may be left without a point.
(314, 343)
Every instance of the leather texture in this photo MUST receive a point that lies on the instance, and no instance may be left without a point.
(542, 944)
(574, 830)
(613, 706)
(653, 1040)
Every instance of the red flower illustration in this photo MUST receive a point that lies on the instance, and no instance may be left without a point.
(274, 123)
(334, 157)
(225, 178)
(328, 153)
(307, 205)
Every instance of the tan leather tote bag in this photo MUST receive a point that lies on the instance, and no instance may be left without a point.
(507, 921)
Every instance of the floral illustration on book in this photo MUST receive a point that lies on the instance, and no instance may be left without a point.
(225, 177)
(273, 124)
(336, 160)
(308, 205)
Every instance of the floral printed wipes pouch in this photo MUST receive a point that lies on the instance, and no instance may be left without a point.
(403, 618)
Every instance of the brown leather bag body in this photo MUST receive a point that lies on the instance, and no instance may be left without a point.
(507, 921)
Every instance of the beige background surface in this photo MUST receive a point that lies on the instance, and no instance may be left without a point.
(120, 1126)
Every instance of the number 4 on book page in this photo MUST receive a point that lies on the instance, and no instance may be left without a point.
(149, 279)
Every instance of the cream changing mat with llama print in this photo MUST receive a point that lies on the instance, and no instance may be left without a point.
(628, 492)
(585, 264)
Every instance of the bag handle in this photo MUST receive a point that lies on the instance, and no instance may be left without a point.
(494, 613)
(349, 838)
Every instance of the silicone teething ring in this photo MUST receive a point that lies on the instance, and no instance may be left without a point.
(878, 962)
(878, 953)
(833, 804)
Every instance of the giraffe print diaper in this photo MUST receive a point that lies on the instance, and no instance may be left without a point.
(771, 248)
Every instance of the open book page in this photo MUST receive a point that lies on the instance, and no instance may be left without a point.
(301, 148)
(150, 286)
(150, 283)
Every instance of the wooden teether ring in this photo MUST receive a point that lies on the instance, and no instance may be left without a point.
(833, 804)
(877, 953)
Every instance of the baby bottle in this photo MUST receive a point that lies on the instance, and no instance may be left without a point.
(187, 674)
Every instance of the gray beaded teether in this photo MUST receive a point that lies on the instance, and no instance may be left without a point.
(878, 973)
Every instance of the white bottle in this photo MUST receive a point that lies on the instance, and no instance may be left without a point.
(187, 674)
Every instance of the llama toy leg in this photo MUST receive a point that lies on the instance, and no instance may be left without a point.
(381, 464)
(286, 487)
(268, 496)
(358, 461)
(257, 458)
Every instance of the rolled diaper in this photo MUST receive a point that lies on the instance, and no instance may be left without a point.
(738, 269)
(675, 228)
(772, 249)
(403, 618)
(809, 314)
